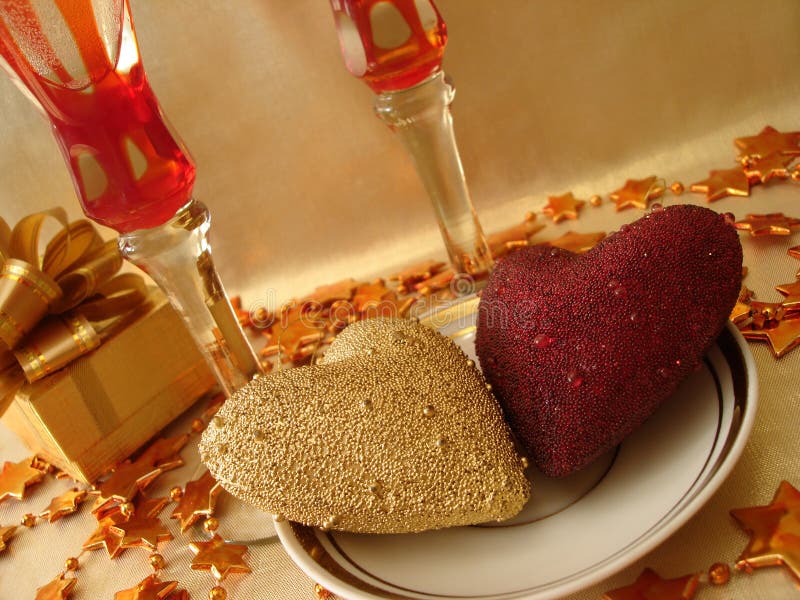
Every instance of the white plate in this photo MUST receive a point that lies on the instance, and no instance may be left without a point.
(574, 532)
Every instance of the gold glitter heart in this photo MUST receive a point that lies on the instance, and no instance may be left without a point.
(395, 431)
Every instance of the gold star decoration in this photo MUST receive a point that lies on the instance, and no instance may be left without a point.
(577, 242)
(769, 224)
(150, 588)
(773, 530)
(418, 271)
(637, 193)
(794, 252)
(131, 477)
(219, 556)
(783, 335)
(774, 166)
(108, 536)
(503, 242)
(742, 310)
(769, 141)
(16, 477)
(563, 207)
(6, 533)
(370, 294)
(649, 586)
(294, 328)
(438, 282)
(792, 293)
(63, 505)
(198, 500)
(141, 532)
(722, 183)
(327, 294)
(58, 589)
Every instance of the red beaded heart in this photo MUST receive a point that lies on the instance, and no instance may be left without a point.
(581, 349)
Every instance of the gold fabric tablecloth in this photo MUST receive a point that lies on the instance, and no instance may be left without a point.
(307, 187)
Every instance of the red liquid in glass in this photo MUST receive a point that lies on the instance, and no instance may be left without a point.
(129, 170)
(402, 40)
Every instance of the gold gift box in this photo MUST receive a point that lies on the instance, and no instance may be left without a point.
(95, 412)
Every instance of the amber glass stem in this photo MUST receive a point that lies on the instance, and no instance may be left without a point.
(421, 117)
(177, 255)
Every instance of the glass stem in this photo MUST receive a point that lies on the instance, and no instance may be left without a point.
(420, 115)
(177, 255)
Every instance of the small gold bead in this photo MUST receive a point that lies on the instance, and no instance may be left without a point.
(28, 520)
(218, 422)
(321, 592)
(525, 462)
(198, 425)
(211, 524)
(259, 436)
(217, 593)
(367, 404)
(441, 442)
(719, 574)
(595, 200)
(176, 493)
(71, 564)
(429, 410)
(278, 518)
(677, 188)
(470, 363)
(156, 561)
(375, 488)
(370, 351)
(333, 520)
(127, 509)
(530, 216)
(796, 175)
(489, 386)
(325, 526)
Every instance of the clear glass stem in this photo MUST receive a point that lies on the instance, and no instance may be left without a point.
(177, 255)
(420, 115)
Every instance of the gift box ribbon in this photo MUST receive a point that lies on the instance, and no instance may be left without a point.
(50, 305)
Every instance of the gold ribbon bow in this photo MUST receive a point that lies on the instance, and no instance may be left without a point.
(48, 304)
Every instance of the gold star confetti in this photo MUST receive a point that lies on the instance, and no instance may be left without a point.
(563, 207)
(722, 183)
(773, 530)
(163, 453)
(111, 539)
(218, 556)
(783, 335)
(438, 282)
(769, 141)
(6, 533)
(792, 293)
(794, 252)
(150, 588)
(769, 224)
(649, 586)
(370, 294)
(58, 589)
(123, 484)
(774, 166)
(502, 242)
(140, 532)
(198, 500)
(294, 328)
(422, 270)
(637, 193)
(327, 294)
(63, 505)
(577, 242)
(16, 477)
(742, 310)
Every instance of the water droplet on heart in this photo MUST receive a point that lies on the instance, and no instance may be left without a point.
(656, 207)
(574, 378)
(634, 316)
(729, 218)
(664, 372)
(554, 252)
(501, 290)
(618, 290)
(612, 283)
(429, 410)
(367, 404)
(624, 228)
(678, 363)
(542, 340)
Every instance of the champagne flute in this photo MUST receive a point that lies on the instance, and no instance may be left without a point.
(78, 62)
(396, 48)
